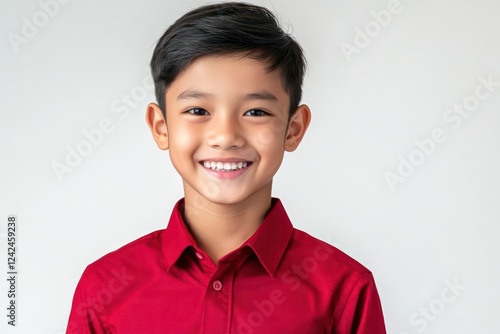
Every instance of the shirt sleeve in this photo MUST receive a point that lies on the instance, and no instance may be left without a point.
(362, 313)
(84, 316)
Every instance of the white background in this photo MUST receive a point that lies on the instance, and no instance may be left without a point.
(440, 225)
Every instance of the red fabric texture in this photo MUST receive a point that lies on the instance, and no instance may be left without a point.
(281, 280)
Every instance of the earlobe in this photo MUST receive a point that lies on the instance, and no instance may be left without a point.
(297, 127)
(157, 125)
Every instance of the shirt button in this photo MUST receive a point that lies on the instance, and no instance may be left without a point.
(217, 285)
(199, 256)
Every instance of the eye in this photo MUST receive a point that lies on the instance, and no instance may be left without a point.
(255, 112)
(198, 111)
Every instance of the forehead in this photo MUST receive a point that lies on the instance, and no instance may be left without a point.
(228, 75)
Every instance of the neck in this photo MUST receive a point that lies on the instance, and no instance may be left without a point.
(220, 228)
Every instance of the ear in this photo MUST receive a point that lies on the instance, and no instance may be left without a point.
(297, 127)
(157, 125)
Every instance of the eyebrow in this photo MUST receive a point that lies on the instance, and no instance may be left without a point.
(259, 95)
(194, 94)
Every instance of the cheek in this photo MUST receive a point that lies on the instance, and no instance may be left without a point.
(272, 134)
(183, 142)
(269, 143)
(186, 135)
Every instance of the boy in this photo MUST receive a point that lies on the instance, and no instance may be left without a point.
(228, 85)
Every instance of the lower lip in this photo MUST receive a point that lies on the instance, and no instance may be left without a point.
(226, 175)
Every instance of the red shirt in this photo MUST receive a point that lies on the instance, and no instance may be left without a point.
(280, 281)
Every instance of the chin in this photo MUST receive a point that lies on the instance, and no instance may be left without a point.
(226, 200)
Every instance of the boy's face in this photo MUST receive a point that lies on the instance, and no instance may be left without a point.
(226, 128)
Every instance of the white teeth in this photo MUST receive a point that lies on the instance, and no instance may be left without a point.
(224, 166)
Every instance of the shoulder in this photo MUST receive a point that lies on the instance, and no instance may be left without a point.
(149, 243)
(111, 279)
(133, 257)
(308, 247)
(345, 284)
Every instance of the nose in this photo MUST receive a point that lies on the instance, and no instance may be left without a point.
(225, 132)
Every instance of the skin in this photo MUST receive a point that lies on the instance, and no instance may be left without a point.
(226, 107)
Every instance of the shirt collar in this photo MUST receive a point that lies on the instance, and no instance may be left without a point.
(269, 241)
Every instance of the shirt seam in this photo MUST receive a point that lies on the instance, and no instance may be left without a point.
(340, 315)
(100, 316)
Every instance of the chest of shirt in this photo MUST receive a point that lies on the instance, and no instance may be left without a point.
(234, 298)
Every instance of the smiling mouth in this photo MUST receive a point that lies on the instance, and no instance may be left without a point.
(225, 166)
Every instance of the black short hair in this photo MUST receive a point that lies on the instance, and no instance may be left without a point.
(228, 28)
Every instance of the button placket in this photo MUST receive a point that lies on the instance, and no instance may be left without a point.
(218, 300)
